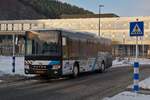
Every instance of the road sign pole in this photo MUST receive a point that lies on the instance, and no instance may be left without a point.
(143, 46)
(136, 56)
(136, 69)
(136, 29)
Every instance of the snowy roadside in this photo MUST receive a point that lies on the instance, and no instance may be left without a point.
(145, 84)
(116, 63)
(6, 66)
(129, 62)
(128, 95)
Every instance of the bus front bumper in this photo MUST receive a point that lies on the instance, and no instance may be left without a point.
(49, 72)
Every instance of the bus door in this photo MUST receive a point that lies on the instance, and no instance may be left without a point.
(65, 57)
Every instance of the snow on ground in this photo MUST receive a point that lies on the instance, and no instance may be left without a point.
(6, 65)
(117, 63)
(129, 96)
(145, 84)
(140, 60)
(127, 62)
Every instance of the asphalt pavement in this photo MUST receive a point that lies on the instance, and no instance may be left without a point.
(89, 86)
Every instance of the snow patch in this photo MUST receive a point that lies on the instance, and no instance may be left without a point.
(145, 84)
(129, 96)
(120, 63)
(129, 62)
(6, 65)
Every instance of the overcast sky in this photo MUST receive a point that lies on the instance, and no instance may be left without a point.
(120, 7)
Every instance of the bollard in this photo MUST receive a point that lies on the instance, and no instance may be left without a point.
(13, 64)
(136, 77)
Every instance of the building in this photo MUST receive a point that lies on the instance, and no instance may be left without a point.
(105, 15)
(116, 28)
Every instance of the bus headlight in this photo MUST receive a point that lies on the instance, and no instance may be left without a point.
(56, 67)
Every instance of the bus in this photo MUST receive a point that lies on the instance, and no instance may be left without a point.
(59, 52)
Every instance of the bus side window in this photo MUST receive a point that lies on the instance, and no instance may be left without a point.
(65, 48)
(64, 42)
(33, 47)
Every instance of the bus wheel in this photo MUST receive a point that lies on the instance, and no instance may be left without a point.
(75, 71)
(102, 67)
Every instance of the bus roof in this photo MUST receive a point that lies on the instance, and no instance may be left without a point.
(72, 33)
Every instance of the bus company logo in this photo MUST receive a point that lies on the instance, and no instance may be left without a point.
(66, 65)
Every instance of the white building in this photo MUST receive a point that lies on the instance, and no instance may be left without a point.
(116, 29)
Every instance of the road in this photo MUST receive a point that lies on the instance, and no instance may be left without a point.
(92, 86)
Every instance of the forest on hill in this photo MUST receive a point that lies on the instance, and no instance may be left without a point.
(54, 8)
(37, 9)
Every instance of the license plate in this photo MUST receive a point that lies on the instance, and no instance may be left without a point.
(38, 67)
(40, 72)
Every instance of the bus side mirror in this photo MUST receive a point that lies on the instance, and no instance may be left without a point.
(64, 42)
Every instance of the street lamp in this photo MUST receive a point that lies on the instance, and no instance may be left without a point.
(124, 51)
(124, 36)
(100, 6)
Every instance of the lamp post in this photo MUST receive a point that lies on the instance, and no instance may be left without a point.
(124, 51)
(113, 35)
(100, 6)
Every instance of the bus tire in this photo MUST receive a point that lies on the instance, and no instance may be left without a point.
(103, 67)
(75, 71)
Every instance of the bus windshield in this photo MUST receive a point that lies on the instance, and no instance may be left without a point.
(43, 43)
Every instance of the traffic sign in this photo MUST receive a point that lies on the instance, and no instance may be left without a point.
(137, 28)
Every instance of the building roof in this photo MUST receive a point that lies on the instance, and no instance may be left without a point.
(105, 15)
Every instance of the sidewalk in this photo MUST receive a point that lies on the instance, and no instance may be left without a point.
(143, 94)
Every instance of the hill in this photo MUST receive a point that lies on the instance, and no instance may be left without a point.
(37, 9)
(54, 8)
(13, 9)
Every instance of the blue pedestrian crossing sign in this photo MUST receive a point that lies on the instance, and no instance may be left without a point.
(137, 28)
